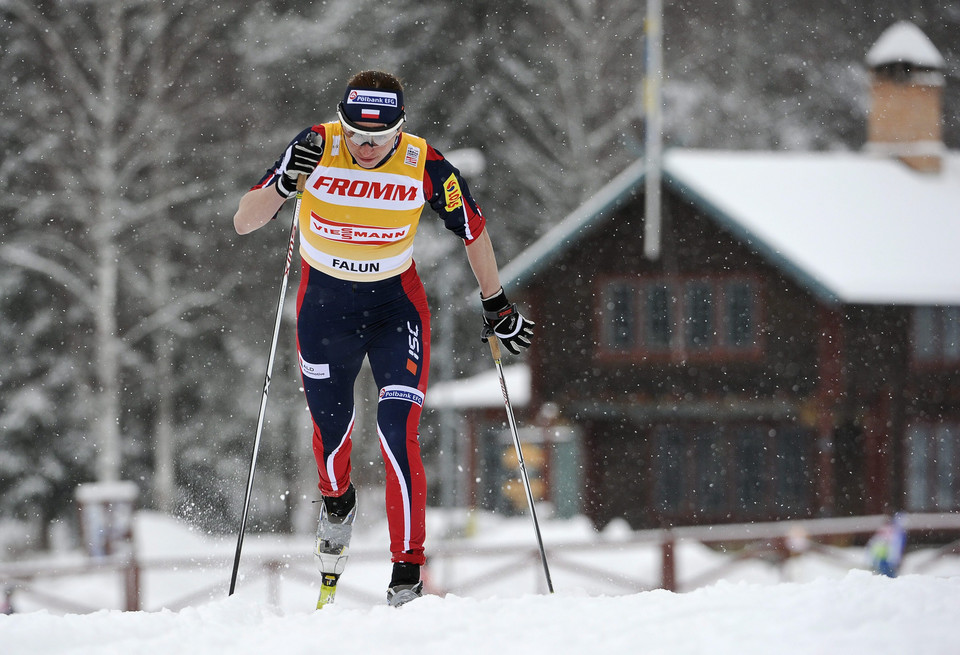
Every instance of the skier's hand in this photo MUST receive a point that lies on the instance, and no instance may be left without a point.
(504, 321)
(300, 158)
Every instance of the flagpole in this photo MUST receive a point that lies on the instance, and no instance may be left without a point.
(654, 128)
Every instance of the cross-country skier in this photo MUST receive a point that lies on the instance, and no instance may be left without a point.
(360, 296)
(886, 547)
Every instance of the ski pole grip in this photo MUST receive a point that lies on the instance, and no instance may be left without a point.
(494, 347)
(302, 178)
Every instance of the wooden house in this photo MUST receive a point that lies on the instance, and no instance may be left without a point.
(793, 351)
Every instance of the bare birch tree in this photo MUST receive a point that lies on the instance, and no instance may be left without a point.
(118, 110)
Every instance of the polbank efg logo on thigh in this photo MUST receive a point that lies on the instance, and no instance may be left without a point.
(399, 392)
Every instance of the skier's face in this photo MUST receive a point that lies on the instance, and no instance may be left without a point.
(369, 152)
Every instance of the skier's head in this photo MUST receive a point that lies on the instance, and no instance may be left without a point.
(372, 104)
(371, 114)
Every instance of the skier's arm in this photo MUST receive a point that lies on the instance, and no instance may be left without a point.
(257, 208)
(484, 264)
(450, 197)
(500, 316)
(261, 203)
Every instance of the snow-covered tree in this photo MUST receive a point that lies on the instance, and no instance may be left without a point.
(116, 148)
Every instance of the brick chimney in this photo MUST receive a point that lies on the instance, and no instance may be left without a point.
(906, 88)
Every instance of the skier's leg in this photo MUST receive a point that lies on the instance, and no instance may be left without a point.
(330, 352)
(398, 416)
(400, 361)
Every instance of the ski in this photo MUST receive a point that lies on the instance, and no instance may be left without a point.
(333, 542)
(328, 589)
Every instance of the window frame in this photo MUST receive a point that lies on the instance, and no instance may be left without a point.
(932, 466)
(940, 346)
(720, 290)
(703, 471)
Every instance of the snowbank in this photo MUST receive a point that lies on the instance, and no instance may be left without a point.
(860, 613)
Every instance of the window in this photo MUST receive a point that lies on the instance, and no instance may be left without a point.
(739, 314)
(935, 337)
(670, 480)
(659, 327)
(752, 478)
(792, 478)
(621, 315)
(676, 318)
(933, 455)
(728, 470)
(698, 317)
(711, 486)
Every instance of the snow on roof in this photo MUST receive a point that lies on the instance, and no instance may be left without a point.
(904, 42)
(850, 227)
(482, 390)
(853, 227)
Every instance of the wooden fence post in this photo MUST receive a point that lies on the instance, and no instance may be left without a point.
(668, 569)
(131, 585)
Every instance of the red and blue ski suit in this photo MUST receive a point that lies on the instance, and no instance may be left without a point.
(360, 296)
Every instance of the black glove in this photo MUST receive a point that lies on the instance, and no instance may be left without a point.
(301, 157)
(504, 321)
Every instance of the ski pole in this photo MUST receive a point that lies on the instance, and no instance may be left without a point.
(301, 183)
(495, 351)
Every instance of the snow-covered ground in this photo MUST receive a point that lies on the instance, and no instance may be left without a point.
(812, 605)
